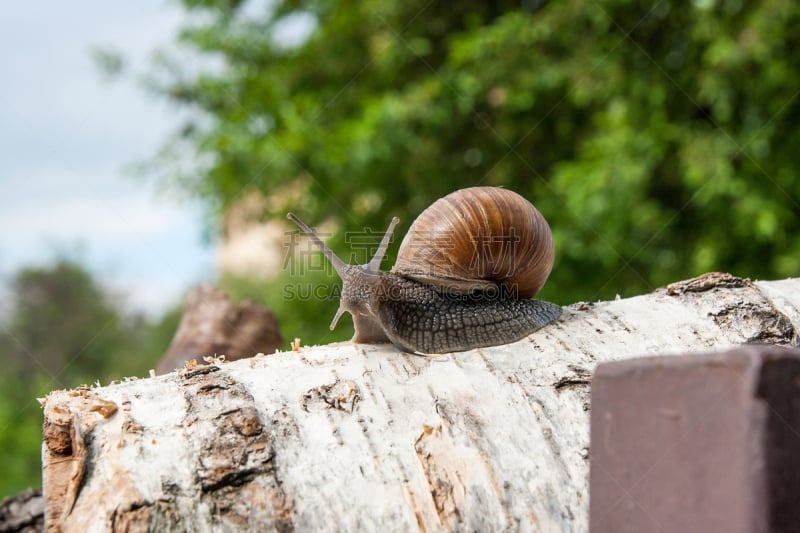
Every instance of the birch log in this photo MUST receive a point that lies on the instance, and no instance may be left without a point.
(350, 437)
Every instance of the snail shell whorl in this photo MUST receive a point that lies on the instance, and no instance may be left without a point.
(478, 237)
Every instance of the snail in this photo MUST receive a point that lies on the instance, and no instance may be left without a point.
(464, 277)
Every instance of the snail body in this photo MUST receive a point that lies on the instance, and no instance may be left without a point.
(463, 278)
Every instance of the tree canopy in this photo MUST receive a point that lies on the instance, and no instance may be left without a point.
(657, 138)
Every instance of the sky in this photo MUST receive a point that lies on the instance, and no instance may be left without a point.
(68, 138)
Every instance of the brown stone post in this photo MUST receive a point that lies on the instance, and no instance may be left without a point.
(700, 443)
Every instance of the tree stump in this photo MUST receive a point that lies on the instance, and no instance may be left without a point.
(213, 325)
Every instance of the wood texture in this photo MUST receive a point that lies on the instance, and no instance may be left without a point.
(362, 437)
(23, 512)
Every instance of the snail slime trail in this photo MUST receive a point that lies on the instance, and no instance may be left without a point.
(464, 278)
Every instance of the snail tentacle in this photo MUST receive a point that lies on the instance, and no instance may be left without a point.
(337, 263)
(377, 259)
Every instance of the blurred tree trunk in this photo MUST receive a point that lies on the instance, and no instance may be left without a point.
(213, 325)
(23, 513)
(361, 437)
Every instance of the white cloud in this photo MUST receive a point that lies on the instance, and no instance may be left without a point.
(151, 297)
(294, 30)
(66, 136)
(112, 215)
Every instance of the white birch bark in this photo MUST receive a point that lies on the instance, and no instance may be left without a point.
(353, 437)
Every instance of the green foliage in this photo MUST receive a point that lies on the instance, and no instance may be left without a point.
(62, 324)
(305, 305)
(63, 331)
(20, 434)
(658, 139)
(110, 63)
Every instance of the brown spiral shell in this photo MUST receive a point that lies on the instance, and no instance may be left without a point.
(477, 238)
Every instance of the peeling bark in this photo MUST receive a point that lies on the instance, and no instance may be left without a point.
(23, 512)
(363, 437)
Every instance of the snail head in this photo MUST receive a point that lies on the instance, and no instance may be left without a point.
(357, 280)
